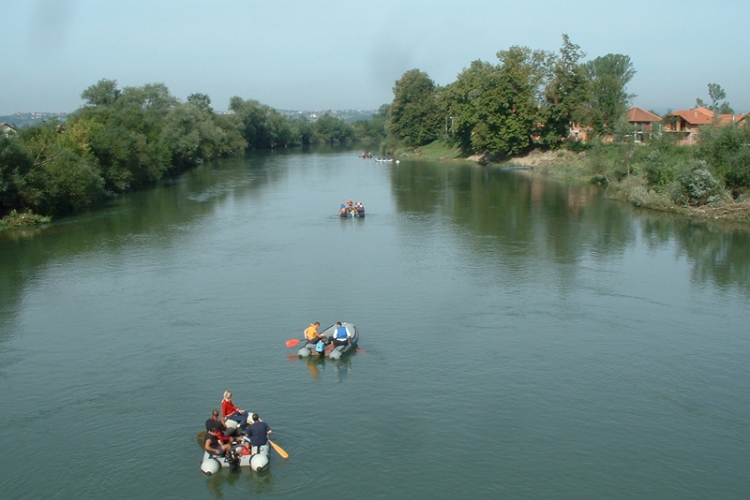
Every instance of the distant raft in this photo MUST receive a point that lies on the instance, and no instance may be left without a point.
(328, 349)
(353, 210)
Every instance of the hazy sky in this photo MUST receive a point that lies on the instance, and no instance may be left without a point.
(347, 54)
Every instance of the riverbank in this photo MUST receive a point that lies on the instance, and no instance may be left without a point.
(571, 166)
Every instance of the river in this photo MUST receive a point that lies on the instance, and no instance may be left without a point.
(519, 338)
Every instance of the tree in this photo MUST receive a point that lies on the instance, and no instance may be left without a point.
(201, 101)
(718, 104)
(565, 93)
(102, 93)
(494, 109)
(608, 99)
(413, 116)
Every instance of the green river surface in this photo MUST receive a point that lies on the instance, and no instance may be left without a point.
(519, 339)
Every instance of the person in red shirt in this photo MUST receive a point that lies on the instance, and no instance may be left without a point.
(229, 410)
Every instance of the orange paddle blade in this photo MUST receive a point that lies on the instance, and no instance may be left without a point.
(292, 342)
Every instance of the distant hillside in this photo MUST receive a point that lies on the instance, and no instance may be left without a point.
(23, 120)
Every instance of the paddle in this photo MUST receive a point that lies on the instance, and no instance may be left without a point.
(292, 342)
(279, 449)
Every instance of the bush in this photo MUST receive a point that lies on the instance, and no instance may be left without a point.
(696, 186)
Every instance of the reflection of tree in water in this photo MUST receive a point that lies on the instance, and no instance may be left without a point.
(528, 218)
(164, 210)
(718, 255)
(245, 479)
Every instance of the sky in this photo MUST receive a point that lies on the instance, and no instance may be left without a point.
(346, 54)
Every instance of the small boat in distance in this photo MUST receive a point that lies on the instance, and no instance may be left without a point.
(351, 209)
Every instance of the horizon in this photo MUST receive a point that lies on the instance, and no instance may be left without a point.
(338, 56)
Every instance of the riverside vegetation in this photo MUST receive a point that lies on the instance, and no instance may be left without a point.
(122, 140)
(521, 110)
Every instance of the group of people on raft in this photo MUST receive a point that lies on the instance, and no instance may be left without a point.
(341, 337)
(351, 208)
(251, 432)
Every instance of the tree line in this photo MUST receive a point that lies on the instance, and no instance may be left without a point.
(124, 139)
(528, 99)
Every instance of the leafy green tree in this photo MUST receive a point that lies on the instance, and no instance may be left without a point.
(254, 118)
(414, 114)
(64, 175)
(460, 102)
(102, 93)
(15, 163)
(330, 130)
(201, 101)
(608, 99)
(718, 103)
(494, 109)
(565, 94)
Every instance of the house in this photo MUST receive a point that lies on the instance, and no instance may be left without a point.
(644, 123)
(687, 123)
(8, 129)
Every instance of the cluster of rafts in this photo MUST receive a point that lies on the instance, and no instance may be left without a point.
(258, 460)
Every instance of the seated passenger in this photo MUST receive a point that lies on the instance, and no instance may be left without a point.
(341, 335)
(229, 411)
(360, 208)
(212, 445)
(215, 423)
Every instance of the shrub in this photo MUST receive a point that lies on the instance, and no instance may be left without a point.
(696, 186)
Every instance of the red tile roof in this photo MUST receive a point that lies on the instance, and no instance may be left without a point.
(728, 119)
(694, 116)
(636, 114)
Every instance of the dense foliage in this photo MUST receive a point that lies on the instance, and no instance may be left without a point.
(125, 139)
(530, 98)
(715, 171)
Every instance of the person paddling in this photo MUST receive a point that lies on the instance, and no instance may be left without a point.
(311, 333)
(258, 433)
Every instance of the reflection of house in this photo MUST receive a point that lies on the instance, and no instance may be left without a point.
(644, 122)
(687, 123)
(7, 129)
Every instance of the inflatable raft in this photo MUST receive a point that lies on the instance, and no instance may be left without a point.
(310, 348)
(258, 460)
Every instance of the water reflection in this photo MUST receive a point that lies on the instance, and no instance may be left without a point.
(316, 366)
(245, 478)
(527, 218)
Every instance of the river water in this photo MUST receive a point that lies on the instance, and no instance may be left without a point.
(519, 339)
